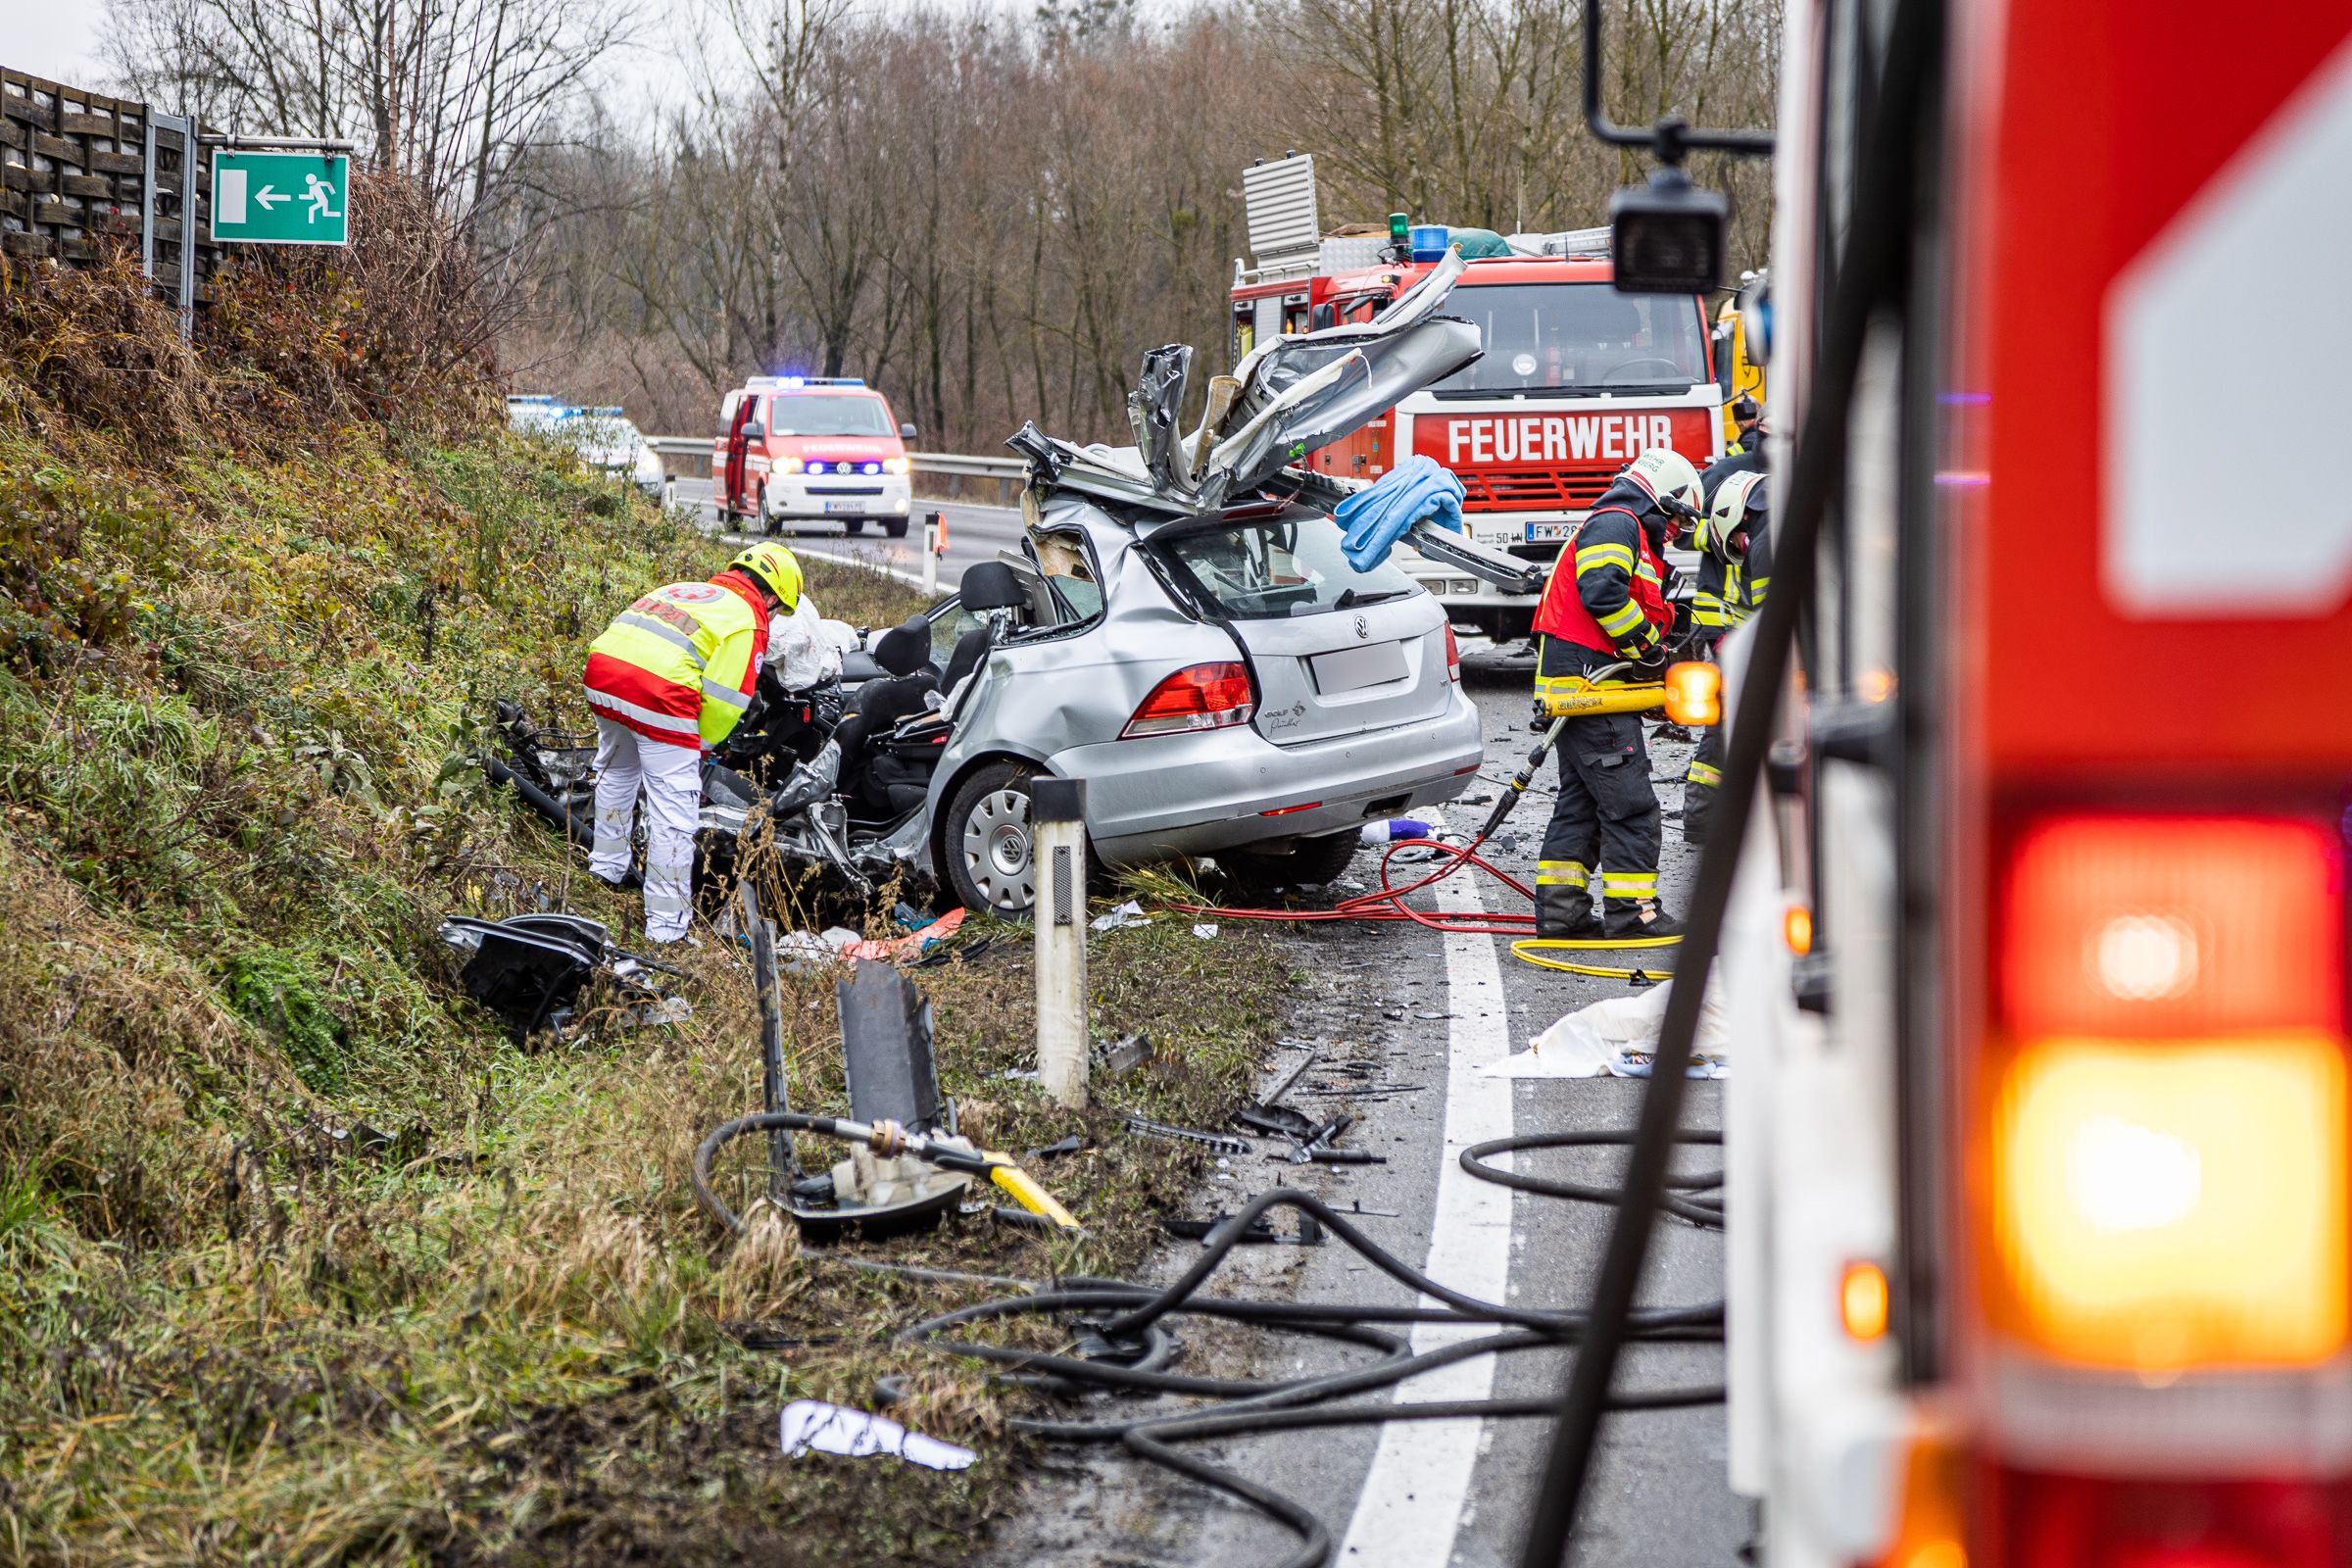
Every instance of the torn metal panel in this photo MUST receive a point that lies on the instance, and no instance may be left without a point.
(1153, 408)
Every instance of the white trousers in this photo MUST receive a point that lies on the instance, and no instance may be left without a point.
(671, 778)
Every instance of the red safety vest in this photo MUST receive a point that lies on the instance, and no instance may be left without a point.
(1562, 613)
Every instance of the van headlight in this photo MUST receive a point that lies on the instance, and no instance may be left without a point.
(898, 466)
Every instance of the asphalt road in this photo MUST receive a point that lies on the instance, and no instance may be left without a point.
(974, 534)
(1424, 1008)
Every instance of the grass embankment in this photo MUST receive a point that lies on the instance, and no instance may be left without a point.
(245, 640)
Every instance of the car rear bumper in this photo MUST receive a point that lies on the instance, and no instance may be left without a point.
(1171, 795)
(885, 496)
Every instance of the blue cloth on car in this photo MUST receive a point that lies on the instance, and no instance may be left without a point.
(1374, 519)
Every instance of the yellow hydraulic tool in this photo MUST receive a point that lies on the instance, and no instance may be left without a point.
(889, 1138)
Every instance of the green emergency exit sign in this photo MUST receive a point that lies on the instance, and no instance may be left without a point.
(281, 198)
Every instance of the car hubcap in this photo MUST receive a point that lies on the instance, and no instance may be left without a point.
(996, 850)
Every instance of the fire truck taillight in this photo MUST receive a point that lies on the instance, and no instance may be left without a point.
(2168, 1102)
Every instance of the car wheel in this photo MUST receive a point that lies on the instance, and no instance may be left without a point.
(896, 527)
(855, 525)
(986, 847)
(1311, 864)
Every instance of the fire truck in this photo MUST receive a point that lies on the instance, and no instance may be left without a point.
(2039, 1133)
(1576, 381)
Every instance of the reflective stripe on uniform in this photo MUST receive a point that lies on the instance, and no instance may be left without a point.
(1628, 884)
(651, 719)
(1555, 873)
(1620, 622)
(1704, 773)
(1592, 557)
(726, 694)
(668, 633)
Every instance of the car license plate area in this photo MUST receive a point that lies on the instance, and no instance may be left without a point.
(1350, 669)
(845, 505)
(1548, 533)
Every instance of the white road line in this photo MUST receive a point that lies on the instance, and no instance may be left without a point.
(1413, 1494)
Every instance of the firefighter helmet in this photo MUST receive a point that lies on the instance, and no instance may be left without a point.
(1739, 501)
(775, 568)
(1667, 475)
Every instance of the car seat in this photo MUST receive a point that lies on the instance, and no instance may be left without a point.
(906, 759)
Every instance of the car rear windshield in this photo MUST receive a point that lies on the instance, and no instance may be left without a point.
(828, 414)
(1542, 336)
(1281, 567)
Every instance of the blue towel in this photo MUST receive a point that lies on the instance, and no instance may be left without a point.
(1375, 520)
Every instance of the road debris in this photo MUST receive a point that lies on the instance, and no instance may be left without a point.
(1124, 1055)
(814, 1425)
(1257, 1233)
(1219, 1142)
(1126, 914)
(1205, 930)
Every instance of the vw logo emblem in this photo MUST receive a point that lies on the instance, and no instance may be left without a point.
(1363, 627)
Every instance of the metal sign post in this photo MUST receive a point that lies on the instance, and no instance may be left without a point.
(281, 198)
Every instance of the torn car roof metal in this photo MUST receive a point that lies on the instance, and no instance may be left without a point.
(1286, 398)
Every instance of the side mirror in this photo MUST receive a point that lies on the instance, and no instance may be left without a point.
(754, 430)
(905, 432)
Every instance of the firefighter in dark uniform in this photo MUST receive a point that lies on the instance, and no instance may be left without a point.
(1606, 602)
(1735, 568)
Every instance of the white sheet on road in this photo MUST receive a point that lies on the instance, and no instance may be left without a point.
(1585, 1042)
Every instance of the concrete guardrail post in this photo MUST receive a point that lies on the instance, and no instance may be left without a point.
(1057, 841)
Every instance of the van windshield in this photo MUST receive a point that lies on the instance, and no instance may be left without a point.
(1278, 568)
(1549, 336)
(827, 414)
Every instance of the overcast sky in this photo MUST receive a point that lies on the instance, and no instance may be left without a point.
(52, 38)
(58, 39)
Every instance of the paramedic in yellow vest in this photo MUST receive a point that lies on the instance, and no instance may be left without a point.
(667, 680)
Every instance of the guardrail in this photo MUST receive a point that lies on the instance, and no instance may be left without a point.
(689, 458)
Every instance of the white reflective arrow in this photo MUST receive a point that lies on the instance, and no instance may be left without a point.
(269, 196)
(2224, 362)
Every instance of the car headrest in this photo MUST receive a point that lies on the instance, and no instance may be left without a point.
(992, 585)
(902, 648)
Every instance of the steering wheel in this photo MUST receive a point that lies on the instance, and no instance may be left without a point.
(1647, 363)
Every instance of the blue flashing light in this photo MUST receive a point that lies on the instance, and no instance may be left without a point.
(793, 383)
(818, 466)
(1429, 242)
(870, 467)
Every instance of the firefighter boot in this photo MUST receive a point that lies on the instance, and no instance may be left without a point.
(1564, 910)
(1639, 917)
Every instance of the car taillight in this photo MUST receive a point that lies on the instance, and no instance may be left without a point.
(1211, 696)
(1453, 655)
(2166, 1097)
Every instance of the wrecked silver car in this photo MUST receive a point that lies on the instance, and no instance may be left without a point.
(1181, 632)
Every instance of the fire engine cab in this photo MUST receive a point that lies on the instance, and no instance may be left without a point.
(1576, 381)
(804, 448)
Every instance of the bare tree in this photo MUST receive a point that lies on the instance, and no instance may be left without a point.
(451, 93)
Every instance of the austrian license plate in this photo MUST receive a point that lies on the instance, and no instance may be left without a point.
(845, 505)
(1548, 533)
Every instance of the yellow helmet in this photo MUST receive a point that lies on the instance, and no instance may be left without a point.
(774, 568)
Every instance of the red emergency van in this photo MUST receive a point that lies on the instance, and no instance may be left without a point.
(795, 449)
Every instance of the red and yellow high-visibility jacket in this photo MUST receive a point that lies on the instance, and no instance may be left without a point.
(680, 663)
